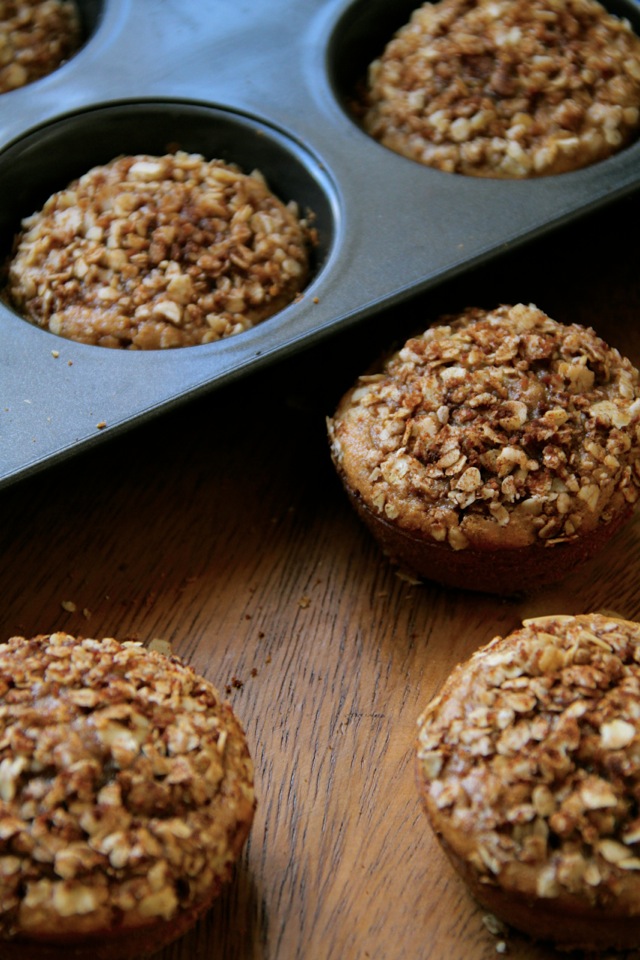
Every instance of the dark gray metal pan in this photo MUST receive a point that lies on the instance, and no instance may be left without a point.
(265, 85)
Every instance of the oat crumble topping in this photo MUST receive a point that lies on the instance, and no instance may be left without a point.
(507, 88)
(152, 252)
(125, 786)
(36, 36)
(531, 755)
(495, 428)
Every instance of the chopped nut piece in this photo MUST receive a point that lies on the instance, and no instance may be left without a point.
(617, 734)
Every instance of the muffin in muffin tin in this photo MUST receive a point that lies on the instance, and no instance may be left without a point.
(507, 88)
(36, 37)
(153, 252)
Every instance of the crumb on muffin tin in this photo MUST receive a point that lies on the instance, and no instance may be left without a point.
(151, 252)
(36, 36)
(507, 88)
(126, 789)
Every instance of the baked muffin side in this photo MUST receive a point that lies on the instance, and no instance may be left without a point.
(528, 766)
(495, 431)
(126, 795)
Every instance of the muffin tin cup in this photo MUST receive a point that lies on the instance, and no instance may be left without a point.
(266, 87)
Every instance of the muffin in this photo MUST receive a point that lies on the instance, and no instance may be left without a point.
(528, 766)
(506, 88)
(126, 795)
(496, 451)
(152, 252)
(36, 36)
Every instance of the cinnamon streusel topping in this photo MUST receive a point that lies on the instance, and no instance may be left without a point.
(530, 759)
(126, 786)
(150, 252)
(495, 428)
(36, 36)
(507, 88)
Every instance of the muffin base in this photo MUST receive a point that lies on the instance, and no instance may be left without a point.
(502, 572)
(126, 943)
(563, 921)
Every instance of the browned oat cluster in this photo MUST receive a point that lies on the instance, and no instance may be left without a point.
(126, 793)
(507, 88)
(36, 36)
(494, 431)
(151, 252)
(529, 769)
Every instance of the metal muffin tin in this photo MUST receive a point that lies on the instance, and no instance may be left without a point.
(266, 85)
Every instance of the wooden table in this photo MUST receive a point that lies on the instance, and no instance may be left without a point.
(221, 528)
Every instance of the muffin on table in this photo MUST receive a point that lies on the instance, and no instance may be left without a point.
(494, 452)
(506, 88)
(528, 767)
(126, 795)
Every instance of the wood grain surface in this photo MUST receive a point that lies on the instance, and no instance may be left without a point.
(222, 528)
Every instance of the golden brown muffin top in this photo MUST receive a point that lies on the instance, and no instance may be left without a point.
(151, 252)
(36, 36)
(507, 88)
(124, 784)
(529, 759)
(495, 428)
